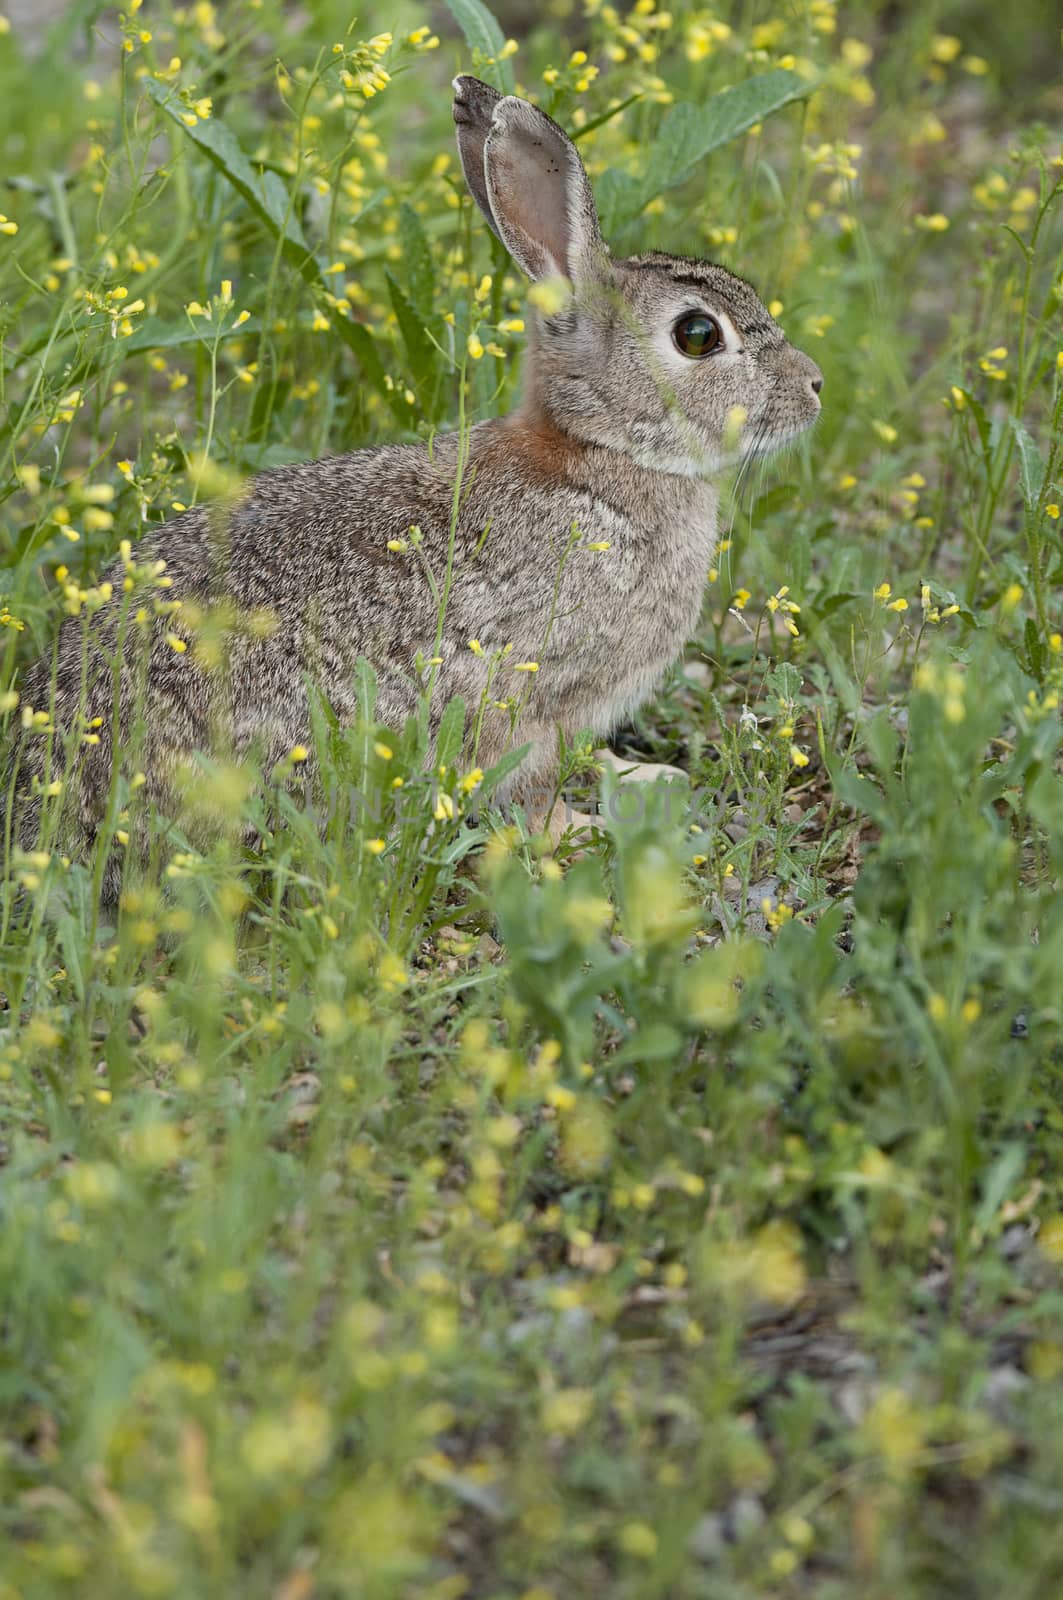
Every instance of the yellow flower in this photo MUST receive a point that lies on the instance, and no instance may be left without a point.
(945, 47)
(476, 647)
(298, 752)
(1052, 511)
(798, 757)
(883, 591)
(638, 1539)
(567, 1410)
(551, 295)
(475, 348)
(1050, 1238)
(897, 605)
(895, 1429)
(376, 847)
(444, 808)
(525, 666)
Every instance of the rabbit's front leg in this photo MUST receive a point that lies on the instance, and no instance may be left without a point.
(534, 786)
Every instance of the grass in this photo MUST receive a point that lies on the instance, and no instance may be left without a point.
(395, 1212)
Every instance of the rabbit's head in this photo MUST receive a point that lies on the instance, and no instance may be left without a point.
(671, 359)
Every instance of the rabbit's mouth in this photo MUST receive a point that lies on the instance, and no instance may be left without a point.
(768, 434)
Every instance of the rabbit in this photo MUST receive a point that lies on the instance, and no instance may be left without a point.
(585, 523)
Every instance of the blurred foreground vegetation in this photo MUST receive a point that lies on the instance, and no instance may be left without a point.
(403, 1211)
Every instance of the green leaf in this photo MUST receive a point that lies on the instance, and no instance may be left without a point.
(483, 34)
(356, 337)
(834, 602)
(263, 191)
(451, 732)
(999, 1182)
(155, 334)
(1031, 465)
(858, 793)
(1035, 652)
(688, 134)
(267, 197)
(417, 259)
(653, 1042)
(502, 768)
(420, 351)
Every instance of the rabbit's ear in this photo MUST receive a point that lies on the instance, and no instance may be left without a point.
(541, 201)
(474, 104)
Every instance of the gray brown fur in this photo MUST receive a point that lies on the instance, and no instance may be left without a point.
(614, 432)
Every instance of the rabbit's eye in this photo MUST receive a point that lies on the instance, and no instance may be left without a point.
(697, 335)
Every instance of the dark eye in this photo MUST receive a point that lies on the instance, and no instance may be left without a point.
(697, 335)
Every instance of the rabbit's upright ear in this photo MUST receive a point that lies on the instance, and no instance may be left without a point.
(539, 201)
(474, 104)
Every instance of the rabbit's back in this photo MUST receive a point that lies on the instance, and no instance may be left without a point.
(355, 555)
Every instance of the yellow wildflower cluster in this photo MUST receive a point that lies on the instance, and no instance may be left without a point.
(362, 72)
(946, 682)
(931, 612)
(704, 33)
(883, 595)
(577, 75)
(990, 363)
(114, 304)
(786, 608)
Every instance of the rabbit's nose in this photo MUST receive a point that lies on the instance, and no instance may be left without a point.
(817, 384)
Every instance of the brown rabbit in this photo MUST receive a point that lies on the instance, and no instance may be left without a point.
(633, 392)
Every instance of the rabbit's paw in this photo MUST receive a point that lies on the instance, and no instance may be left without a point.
(637, 771)
(560, 821)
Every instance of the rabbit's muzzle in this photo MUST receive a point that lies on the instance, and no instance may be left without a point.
(794, 402)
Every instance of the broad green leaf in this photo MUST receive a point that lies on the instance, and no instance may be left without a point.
(356, 337)
(263, 191)
(998, 1183)
(155, 334)
(451, 732)
(858, 793)
(417, 260)
(420, 351)
(483, 33)
(269, 200)
(688, 134)
(502, 768)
